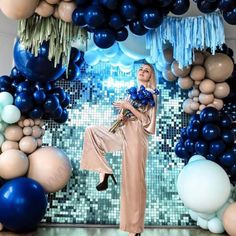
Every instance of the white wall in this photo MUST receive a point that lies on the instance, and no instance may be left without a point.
(8, 34)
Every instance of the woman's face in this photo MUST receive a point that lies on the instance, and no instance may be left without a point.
(144, 73)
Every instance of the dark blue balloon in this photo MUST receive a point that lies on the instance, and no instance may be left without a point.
(129, 10)
(39, 96)
(227, 136)
(201, 147)
(194, 120)
(183, 133)
(151, 18)
(59, 92)
(180, 7)
(210, 132)
(110, 4)
(206, 6)
(73, 72)
(122, 34)
(211, 157)
(217, 147)
(233, 170)
(144, 2)
(43, 49)
(209, 114)
(230, 16)
(36, 113)
(23, 204)
(78, 17)
(66, 101)
(228, 159)
(193, 132)
(180, 151)
(74, 54)
(5, 80)
(63, 117)
(24, 102)
(94, 16)
(190, 145)
(116, 22)
(226, 5)
(81, 2)
(25, 87)
(226, 121)
(137, 28)
(162, 3)
(104, 38)
(36, 68)
(51, 103)
(15, 73)
(56, 113)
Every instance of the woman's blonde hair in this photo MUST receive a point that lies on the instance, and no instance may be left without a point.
(152, 81)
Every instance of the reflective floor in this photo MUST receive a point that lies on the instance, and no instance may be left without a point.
(63, 231)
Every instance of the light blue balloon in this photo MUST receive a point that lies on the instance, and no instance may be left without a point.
(216, 226)
(6, 99)
(92, 57)
(111, 51)
(202, 222)
(10, 114)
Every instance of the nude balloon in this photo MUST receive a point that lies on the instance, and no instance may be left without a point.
(44, 9)
(229, 219)
(222, 90)
(6, 145)
(185, 83)
(65, 10)
(218, 103)
(207, 86)
(28, 144)
(197, 73)
(179, 72)
(168, 54)
(168, 75)
(13, 133)
(198, 58)
(206, 98)
(187, 106)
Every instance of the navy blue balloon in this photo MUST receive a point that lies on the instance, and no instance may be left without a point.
(15, 73)
(183, 133)
(194, 120)
(180, 7)
(116, 22)
(23, 204)
(44, 86)
(228, 159)
(25, 87)
(137, 28)
(73, 72)
(74, 54)
(230, 16)
(81, 2)
(209, 114)
(210, 132)
(144, 2)
(36, 68)
(36, 113)
(206, 7)
(24, 102)
(129, 10)
(51, 103)
(180, 151)
(211, 157)
(233, 170)
(59, 92)
(110, 4)
(226, 5)
(78, 17)
(104, 38)
(193, 132)
(66, 101)
(162, 3)
(39, 96)
(122, 34)
(190, 145)
(151, 18)
(63, 117)
(217, 147)
(5, 80)
(227, 136)
(226, 121)
(201, 147)
(94, 16)
(56, 113)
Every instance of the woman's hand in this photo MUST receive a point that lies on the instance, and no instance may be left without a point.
(122, 105)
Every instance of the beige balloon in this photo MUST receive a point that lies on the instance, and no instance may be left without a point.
(197, 73)
(168, 75)
(13, 163)
(50, 167)
(44, 9)
(195, 92)
(222, 90)
(20, 9)
(206, 98)
(187, 106)
(65, 10)
(229, 219)
(168, 54)
(197, 83)
(37, 121)
(198, 58)
(218, 103)
(56, 13)
(196, 99)
(194, 106)
(179, 72)
(207, 86)
(201, 107)
(28, 144)
(190, 95)
(185, 83)
(53, 1)
(26, 122)
(20, 123)
(218, 67)
(27, 131)
(36, 132)
(31, 122)
(13, 133)
(6, 145)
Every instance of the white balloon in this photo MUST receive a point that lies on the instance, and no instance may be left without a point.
(216, 226)
(193, 215)
(202, 223)
(6, 99)
(203, 186)
(10, 114)
(196, 158)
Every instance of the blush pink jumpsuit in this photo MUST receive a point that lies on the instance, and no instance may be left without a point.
(132, 139)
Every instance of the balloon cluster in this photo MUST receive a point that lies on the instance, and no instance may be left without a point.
(210, 134)
(107, 18)
(23, 9)
(228, 7)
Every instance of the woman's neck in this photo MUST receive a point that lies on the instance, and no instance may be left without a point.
(144, 84)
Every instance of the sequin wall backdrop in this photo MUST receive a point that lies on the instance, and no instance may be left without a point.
(91, 104)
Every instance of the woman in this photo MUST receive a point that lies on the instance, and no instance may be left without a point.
(132, 139)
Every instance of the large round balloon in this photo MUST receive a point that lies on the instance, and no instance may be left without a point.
(230, 16)
(22, 204)
(18, 9)
(38, 68)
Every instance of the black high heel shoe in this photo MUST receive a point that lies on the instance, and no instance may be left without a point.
(104, 184)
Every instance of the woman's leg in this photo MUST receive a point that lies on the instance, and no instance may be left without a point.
(98, 141)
